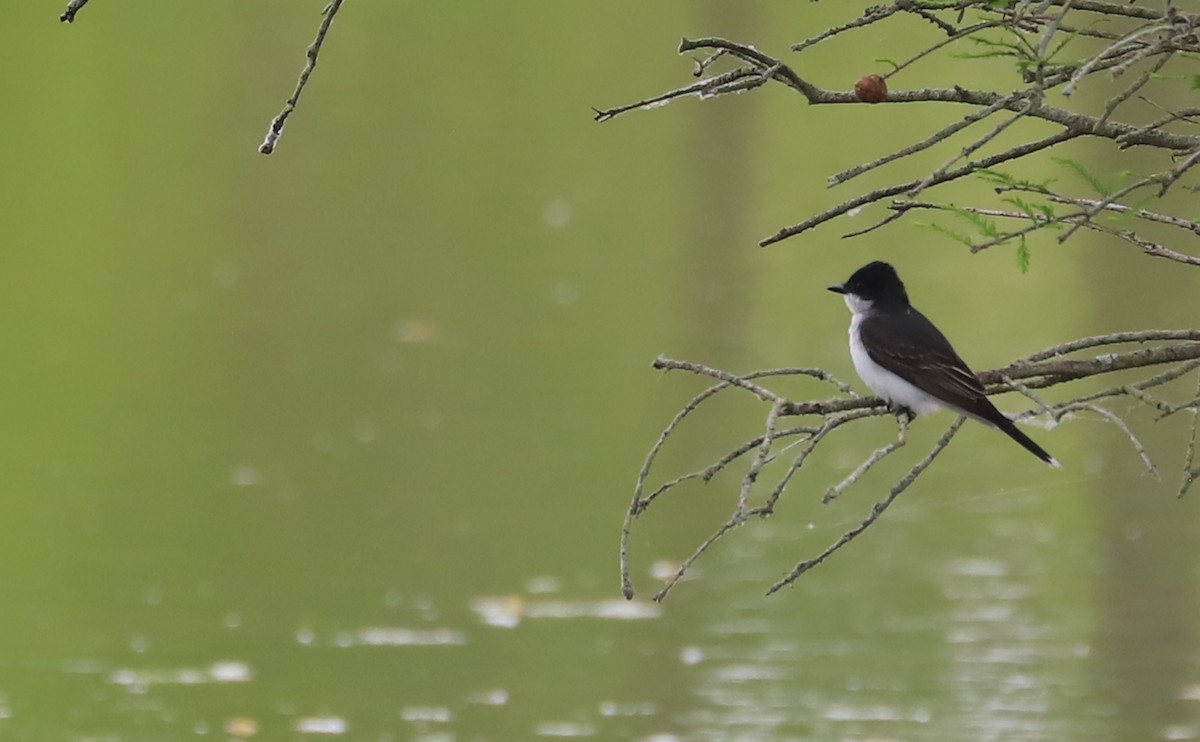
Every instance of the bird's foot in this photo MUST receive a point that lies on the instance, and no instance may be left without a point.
(902, 412)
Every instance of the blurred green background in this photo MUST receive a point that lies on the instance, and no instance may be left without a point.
(339, 441)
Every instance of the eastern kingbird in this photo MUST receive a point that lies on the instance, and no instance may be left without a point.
(908, 362)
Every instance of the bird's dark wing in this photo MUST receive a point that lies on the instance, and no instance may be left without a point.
(910, 346)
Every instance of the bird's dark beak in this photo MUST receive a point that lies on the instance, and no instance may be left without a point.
(838, 289)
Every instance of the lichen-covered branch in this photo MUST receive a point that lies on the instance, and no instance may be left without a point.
(1177, 350)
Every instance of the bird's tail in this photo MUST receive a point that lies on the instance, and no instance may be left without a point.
(1013, 432)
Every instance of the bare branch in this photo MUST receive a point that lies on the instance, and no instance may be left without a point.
(1047, 368)
(73, 7)
(1139, 39)
(275, 130)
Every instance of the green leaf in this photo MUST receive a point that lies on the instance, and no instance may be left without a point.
(1022, 255)
(1092, 179)
(956, 236)
(1023, 206)
(1004, 179)
(987, 227)
(886, 60)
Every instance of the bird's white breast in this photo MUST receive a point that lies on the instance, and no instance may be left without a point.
(881, 381)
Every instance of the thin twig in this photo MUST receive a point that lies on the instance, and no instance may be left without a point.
(701, 87)
(1191, 472)
(876, 456)
(938, 136)
(1113, 338)
(1112, 417)
(872, 15)
(895, 190)
(876, 511)
(275, 130)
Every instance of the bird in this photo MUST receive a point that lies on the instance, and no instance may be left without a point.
(908, 362)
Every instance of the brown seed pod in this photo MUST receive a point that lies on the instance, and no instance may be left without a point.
(870, 89)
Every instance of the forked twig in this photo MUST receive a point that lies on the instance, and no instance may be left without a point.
(878, 510)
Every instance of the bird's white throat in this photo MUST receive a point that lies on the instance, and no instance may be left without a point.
(857, 304)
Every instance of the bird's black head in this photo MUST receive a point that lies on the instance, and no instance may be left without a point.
(875, 282)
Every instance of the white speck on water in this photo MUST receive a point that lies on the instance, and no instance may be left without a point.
(616, 609)
(123, 676)
(691, 655)
(557, 214)
(232, 620)
(565, 294)
(426, 713)
(431, 419)
(230, 671)
(246, 476)
(612, 708)
(564, 729)
(323, 442)
(398, 637)
(226, 275)
(854, 212)
(494, 697)
(139, 681)
(321, 725)
(139, 644)
(846, 712)
(364, 431)
(426, 606)
(1190, 692)
(344, 640)
(663, 569)
(191, 676)
(542, 585)
(503, 613)
(304, 635)
(979, 567)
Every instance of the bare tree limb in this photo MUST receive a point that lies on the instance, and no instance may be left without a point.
(1148, 41)
(1052, 367)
